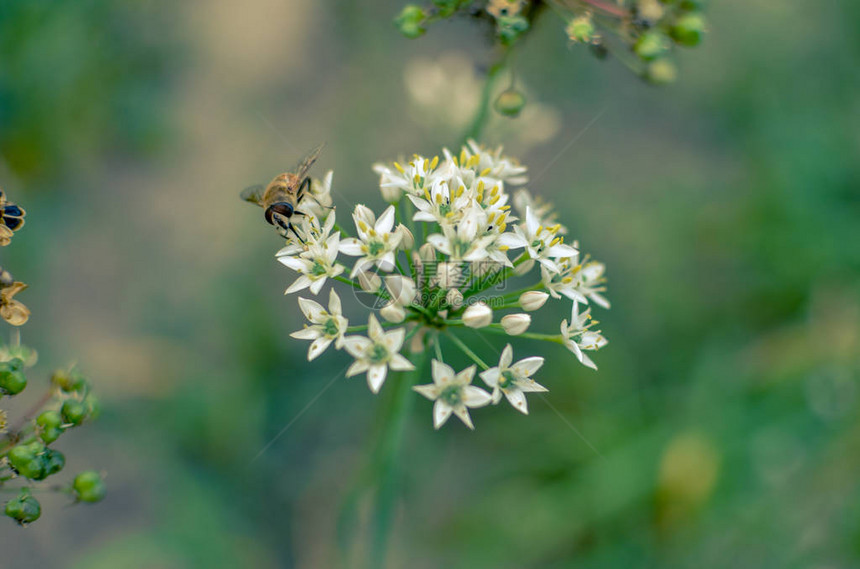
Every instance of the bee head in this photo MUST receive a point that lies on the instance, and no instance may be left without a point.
(283, 209)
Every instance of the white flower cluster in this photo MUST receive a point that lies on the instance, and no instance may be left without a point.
(442, 257)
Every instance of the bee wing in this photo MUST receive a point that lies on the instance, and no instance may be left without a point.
(305, 165)
(253, 194)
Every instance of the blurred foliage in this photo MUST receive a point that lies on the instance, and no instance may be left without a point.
(78, 81)
(725, 412)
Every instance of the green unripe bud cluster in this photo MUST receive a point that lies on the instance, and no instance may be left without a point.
(34, 461)
(12, 379)
(509, 28)
(24, 508)
(69, 381)
(411, 20)
(688, 30)
(89, 487)
(651, 45)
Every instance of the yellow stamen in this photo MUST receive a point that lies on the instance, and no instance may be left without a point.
(399, 168)
(434, 163)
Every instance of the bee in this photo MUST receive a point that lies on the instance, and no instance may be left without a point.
(11, 219)
(283, 196)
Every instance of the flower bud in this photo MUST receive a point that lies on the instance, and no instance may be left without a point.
(478, 315)
(369, 282)
(516, 324)
(89, 486)
(74, 411)
(454, 298)
(393, 312)
(50, 425)
(12, 379)
(661, 72)
(651, 45)
(410, 21)
(688, 30)
(402, 289)
(24, 508)
(427, 252)
(533, 300)
(407, 241)
(510, 102)
(524, 267)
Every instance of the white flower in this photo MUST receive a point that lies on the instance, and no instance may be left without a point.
(393, 312)
(533, 300)
(495, 165)
(401, 289)
(578, 337)
(579, 282)
(411, 179)
(545, 211)
(452, 393)
(478, 315)
(541, 242)
(462, 242)
(514, 380)
(376, 353)
(317, 202)
(442, 203)
(325, 326)
(402, 292)
(369, 282)
(516, 324)
(376, 243)
(315, 265)
(312, 233)
(407, 240)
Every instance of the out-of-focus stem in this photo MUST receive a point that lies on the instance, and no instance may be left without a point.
(483, 113)
(387, 485)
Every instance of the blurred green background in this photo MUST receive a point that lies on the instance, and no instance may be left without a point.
(724, 417)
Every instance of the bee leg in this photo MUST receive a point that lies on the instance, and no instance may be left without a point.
(296, 233)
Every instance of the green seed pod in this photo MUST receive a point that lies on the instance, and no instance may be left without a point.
(410, 22)
(661, 72)
(74, 411)
(446, 8)
(692, 5)
(69, 381)
(511, 27)
(12, 380)
(27, 461)
(54, 461)
(651, 45)
(510, 102)
(24, 508)
(688, 30)
(51, 426)
(94, 406)
(89, 486)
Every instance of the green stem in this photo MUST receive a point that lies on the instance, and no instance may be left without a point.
(388, 479)
(483, 114)
(466, 350)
